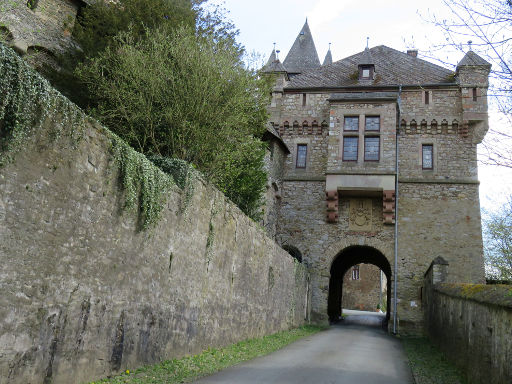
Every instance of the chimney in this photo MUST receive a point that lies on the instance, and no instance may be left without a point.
(412, 52)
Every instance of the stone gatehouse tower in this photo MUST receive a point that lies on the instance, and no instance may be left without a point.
(348, 125)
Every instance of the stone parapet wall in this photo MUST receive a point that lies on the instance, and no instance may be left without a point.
(443, 104)
(471, 324)
(86, 293)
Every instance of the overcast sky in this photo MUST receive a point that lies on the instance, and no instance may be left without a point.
(399, 24)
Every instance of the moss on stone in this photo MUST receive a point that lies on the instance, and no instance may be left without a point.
(495, 294)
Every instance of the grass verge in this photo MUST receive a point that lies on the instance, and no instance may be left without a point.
(212, 360)
(428, 363)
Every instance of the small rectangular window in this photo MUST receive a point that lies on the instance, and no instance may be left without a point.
(372, 123)
(355, 272)
(427, 151)
(350, 145)
(371, 148)
(366, 73)
(474, 94)
(303, 99)
(351, 123)
(427, 97)
(302, 150)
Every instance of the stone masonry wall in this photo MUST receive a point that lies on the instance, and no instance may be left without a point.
(86, 294)
(471, 324)
(436, 220)
(290, 110)
(274, 160)
(48, 25)
(432, 203)
(363, 293)
(387, 135)
(302, 224)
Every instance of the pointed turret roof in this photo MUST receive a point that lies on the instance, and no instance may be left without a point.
(472, 59)
(273, 64)
(366, 58)
(303, 55)
(272, 58)
(328, 57)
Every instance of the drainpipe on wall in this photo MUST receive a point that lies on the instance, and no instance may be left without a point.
(399, 102)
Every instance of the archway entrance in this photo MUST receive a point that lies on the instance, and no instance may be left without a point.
(345, 260)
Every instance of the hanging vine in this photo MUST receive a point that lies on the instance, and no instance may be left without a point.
(145, 185)
(26, 102)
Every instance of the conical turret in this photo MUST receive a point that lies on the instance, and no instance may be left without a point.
(273, 64)
(303, 55)
(328, 56)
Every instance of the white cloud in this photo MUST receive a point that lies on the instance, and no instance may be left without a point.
(325, 11)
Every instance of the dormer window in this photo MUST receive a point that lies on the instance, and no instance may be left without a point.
(366, 72)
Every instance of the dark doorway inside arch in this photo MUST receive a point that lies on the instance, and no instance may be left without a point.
(345, 260)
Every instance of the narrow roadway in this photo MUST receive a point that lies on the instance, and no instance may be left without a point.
(345, 354)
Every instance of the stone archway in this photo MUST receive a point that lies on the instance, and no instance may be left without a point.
(346, 259)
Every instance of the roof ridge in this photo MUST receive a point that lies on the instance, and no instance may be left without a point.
(392, 67)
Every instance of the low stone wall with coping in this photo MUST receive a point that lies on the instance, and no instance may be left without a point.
(471, 324)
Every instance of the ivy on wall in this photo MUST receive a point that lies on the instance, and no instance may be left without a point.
(27, 101)
(28, 104)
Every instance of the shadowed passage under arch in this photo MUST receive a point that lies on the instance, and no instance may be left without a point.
(346, 259)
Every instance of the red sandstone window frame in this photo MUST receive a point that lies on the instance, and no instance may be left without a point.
(357, 148)
(378, 149)
(302, 164)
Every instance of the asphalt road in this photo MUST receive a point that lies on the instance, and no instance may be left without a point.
(356, 352)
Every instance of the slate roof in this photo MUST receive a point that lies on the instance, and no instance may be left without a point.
(273, 64)
(392, 67)
(272, 58)
(302, 55)
(272, 134)
(472, 59)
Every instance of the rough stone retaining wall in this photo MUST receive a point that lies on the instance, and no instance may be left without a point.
(85, 293)
(472, 324)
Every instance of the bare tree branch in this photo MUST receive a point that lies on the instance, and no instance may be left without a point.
(488, 25)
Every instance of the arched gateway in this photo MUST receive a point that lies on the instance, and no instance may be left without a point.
(392, 173)
(346, 259)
